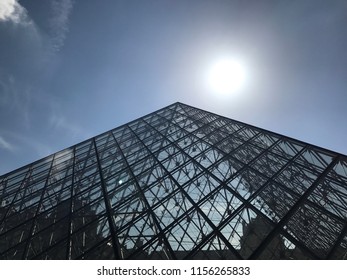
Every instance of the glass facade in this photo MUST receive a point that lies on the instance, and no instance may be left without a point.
(179, 183)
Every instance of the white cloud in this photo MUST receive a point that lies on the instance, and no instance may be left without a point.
(5, 145)
(59, 22)
(37, 42)
(11, 10)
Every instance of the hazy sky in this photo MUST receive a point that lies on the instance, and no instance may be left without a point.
(72, 69)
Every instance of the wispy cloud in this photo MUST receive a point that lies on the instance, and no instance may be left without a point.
(5, 144)
(35, 58)
(60, 122)
(15, 99)
(11, 10)
(25, 143)
(11, 97)
(61, 10)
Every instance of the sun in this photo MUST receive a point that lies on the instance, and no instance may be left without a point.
(226, 75)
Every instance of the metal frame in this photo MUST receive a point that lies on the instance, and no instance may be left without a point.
(179, 183)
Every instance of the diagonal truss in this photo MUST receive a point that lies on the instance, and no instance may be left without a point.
(179, 183)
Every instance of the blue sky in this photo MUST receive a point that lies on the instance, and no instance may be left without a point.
(72, 69)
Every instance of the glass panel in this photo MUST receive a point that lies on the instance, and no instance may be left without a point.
(185, 235)
(220, 205)
(178, 183)
(122, 192)
(280, 248)
(154, 175)
(174, 208)
(340, 171)
(214, 250)
(155, 251)
(315, 159)
(332, 196)
(88, 236)
(268, 164)
(15, 253)
(247, 183)
(103, 251)
(340, 252)
(209, 157)
(274, 201)
(47, 238)
(246, 232)
(56, 252)
(160, 190)
(315, 229)
(133, 239)
(247, 153)
(229, 144)
(296, 178)
(15, 236)
(14, 219)
(286, 149)
(201, 187)
(264, 140)
(186, 173)
(245, 133)
(226, 168)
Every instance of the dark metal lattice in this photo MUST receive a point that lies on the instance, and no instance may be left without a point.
(179, 183)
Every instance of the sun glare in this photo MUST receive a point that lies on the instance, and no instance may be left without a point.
(226, 76)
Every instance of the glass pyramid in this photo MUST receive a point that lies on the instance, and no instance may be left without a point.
(179, 183)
